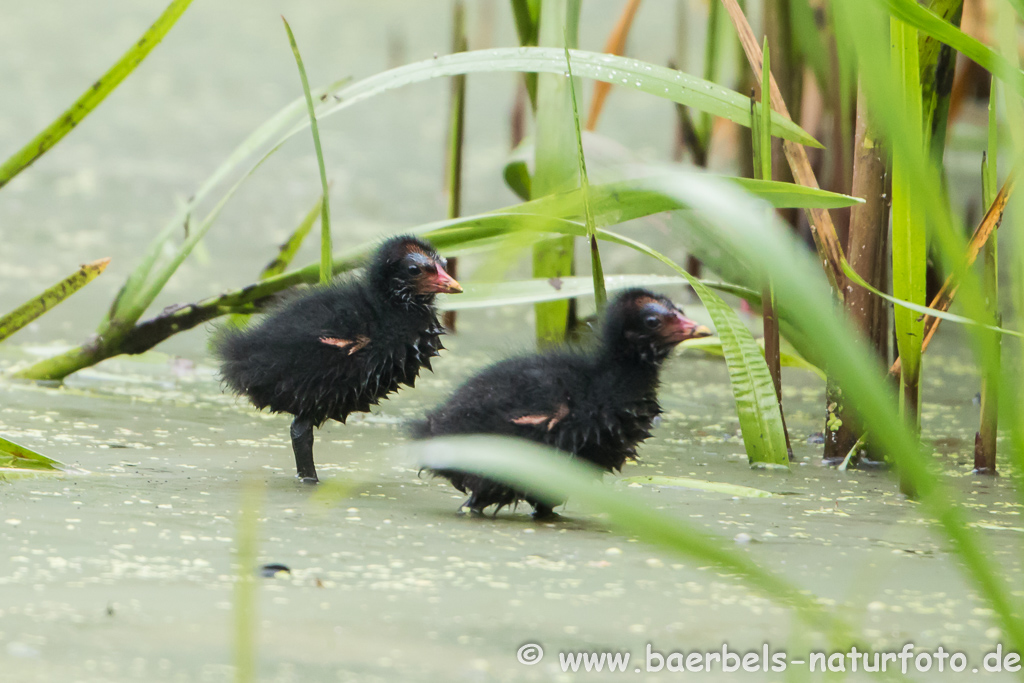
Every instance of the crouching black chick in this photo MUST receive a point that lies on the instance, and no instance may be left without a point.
(596, 404)
(339, 348)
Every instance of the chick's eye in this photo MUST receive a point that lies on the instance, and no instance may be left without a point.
(414, 270)
(652, 322)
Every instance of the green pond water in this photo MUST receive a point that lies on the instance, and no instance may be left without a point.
(127, 571)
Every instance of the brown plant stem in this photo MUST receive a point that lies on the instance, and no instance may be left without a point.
(866, 250)
(772, 354)
(826, 241)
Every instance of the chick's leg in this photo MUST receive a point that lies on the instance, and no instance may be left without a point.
(302, 445)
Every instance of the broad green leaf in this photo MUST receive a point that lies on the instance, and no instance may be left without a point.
(792, 196)
(698, 484)
(35, 307)
(551, 474)
(326, 270)
(96, 93)
(756, 403)
(19, 457)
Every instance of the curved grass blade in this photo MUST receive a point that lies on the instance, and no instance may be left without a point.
(16, 456)
(926, 21)
(551, 474)
(630, 73)
(325, 205)
(600, 295)
(918, 308)
(92, 97)
(29, 311)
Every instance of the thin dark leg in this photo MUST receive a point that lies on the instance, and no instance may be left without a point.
(542, 511)
(473, 506)
(302, 444)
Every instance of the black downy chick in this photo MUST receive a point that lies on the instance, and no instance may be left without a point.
(595, 404)
(339, 348)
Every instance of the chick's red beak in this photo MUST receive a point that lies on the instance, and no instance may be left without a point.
(680, 328)
(443, 283)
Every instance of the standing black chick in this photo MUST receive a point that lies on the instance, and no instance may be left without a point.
(596, 404)
(339, 348)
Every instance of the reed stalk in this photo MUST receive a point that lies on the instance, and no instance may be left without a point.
(869, 223)
(761, 138)
(555, 163)
(985, 439)
(456, 137)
